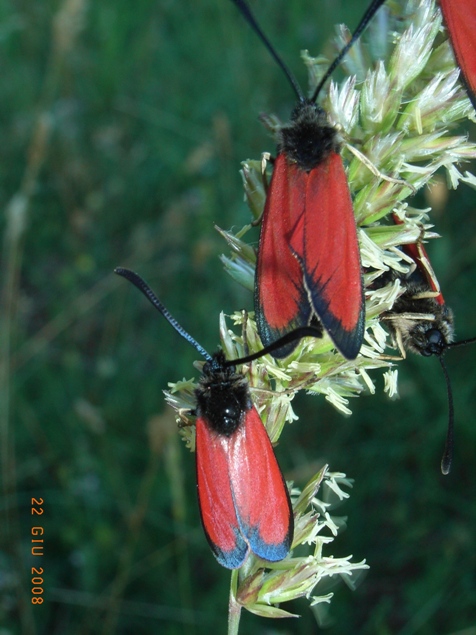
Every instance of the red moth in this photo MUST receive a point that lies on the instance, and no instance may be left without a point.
(243, 498)
(460, 19)
(308, 265)
(421, 322)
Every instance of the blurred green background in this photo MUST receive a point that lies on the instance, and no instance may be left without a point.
(123, 127)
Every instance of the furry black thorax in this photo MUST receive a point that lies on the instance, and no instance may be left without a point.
(308, 139)
(223, 396)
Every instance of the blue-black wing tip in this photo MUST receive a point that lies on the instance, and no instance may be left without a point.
(233, 559)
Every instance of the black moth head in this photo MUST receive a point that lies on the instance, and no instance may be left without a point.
(223, 396)
(422, 336)
(428, 337)
(308, 139)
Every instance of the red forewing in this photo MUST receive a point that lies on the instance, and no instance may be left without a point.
(244, 502)
(281, 302)
(460, 18)
(261, 497)
(325, 242)
(215, 497)
(417, 253)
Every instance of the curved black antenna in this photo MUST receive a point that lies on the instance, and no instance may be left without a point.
(249, 17)
(292, 336)
(447, 458)
(368, 15)
(471, 340)
(154, 300)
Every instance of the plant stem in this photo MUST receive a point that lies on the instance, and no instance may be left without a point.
(234, 607)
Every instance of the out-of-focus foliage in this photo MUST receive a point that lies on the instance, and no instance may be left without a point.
(123, 128)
